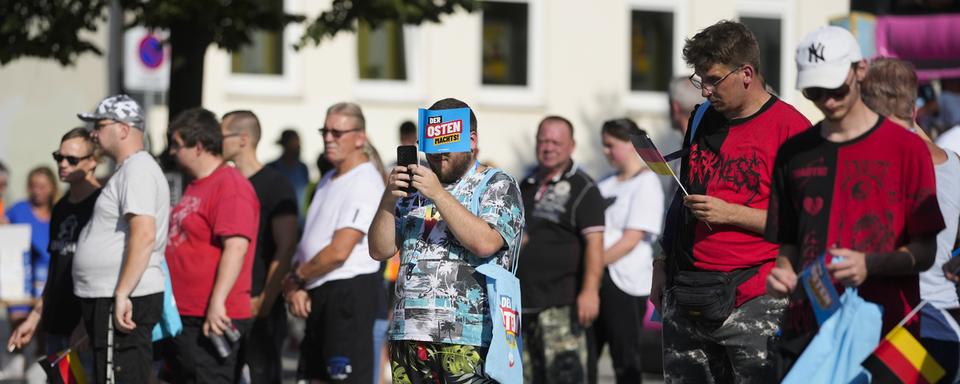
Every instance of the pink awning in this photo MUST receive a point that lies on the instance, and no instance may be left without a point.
(930, 41)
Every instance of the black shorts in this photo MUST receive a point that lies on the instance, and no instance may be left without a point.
(338, 341)
(132, 352)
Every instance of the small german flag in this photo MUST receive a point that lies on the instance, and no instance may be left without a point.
(651, 155)
(64, 368)
(901, 359)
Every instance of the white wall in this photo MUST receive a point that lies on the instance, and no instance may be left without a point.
(580, 72)
(38, 104)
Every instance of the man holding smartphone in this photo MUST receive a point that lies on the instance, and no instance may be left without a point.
(334, 283)
(441, 308)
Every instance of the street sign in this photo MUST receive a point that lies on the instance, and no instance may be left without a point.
(146, 60)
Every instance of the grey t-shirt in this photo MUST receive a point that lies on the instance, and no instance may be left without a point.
(136, 188)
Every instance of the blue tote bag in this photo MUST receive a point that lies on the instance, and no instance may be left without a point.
(170, 324)
(504, 361)
(842, 343)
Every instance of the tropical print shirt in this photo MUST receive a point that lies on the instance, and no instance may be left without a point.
(441, 298)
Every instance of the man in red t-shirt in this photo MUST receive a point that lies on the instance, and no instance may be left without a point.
(857, 186)
(716, 319)
(212, 238)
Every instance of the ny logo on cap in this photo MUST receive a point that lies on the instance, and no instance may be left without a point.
(815, 53)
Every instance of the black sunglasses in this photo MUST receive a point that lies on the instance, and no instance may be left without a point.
(72, 160)
(335, 132)
(816, 93)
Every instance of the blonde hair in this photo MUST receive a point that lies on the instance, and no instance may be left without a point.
(890, 88)
(374, 156)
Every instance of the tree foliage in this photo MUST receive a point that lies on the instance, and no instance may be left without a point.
(62, 29)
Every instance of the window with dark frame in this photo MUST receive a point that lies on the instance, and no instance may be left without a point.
(381, 54)
(651, 50)
(505, 43)
(768, 33)
(264, 55)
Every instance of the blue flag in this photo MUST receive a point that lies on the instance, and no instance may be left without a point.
(444, 131)
(820, 290)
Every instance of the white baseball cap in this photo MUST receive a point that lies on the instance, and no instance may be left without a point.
(824, 57)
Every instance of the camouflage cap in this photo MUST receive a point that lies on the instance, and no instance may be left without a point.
(120, 108)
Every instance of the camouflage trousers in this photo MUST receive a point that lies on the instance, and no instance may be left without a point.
(733, 351)
(416, 362)
(554, 347)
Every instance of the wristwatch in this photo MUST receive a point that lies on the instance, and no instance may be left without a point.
(296, 279)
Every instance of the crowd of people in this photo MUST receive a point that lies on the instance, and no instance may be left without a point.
(386, 264)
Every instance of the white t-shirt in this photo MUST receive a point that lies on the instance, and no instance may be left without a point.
(934, 287)
(637, 204)
(950, 139)
(348, 201)
(138, 187)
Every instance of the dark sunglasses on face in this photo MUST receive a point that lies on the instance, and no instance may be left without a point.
(816, 93)
(335, 132)
(72, 160)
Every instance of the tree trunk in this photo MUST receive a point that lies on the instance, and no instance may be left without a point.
(188, 45)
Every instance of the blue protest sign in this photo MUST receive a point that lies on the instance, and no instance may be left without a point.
(444, 131)
(821, 293)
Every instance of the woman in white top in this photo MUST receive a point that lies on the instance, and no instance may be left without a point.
(634, 214)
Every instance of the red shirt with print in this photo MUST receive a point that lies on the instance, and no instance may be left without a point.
(870, 194)
(732, 159)
(215, 207)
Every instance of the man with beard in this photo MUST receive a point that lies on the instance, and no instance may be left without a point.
(459, 216)
(857, 187)
(334, 283)
(58, 311)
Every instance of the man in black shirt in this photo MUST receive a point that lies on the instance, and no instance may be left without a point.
(58, 312)
(561, 262)
(276, 242)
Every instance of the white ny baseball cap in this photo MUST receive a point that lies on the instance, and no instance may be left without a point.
(824, 57)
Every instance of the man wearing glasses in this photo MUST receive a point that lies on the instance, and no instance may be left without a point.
(334, 283)
(855, 186)
(116, 268)
(717, 320)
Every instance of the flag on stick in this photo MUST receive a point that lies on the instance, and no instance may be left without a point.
(64, 368)
(654, 159)
(901, 359)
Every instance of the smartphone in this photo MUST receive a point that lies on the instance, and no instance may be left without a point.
(406, 156)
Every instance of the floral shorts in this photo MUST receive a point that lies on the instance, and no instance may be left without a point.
(424, 362)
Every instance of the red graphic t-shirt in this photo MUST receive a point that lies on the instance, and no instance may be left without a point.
(732, 160)
(220, 205)
(870, 194)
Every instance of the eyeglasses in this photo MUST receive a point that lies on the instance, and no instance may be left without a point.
(72, 160)
(711, 85)
(337, 134)
(817, 93)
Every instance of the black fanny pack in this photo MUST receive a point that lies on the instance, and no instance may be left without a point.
(708, 295)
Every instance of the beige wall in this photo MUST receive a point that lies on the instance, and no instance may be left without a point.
(39, 103)
(580, 64)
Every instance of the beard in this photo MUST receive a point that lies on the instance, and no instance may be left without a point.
(458, 165)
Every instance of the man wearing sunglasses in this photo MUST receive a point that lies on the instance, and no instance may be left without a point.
(856, 188)
(58, 312)
(716, 318)
(116, 269)
(334, 283)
